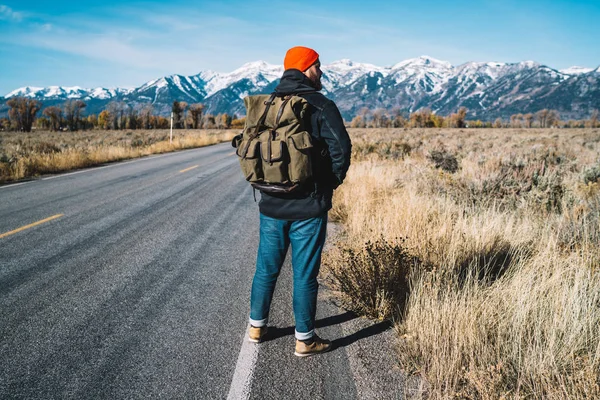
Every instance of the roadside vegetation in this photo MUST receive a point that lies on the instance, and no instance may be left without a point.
(29, 154)
(483, 245)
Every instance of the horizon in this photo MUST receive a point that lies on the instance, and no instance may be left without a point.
(113, 44)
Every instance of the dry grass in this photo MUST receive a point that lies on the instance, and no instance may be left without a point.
(24, 155)
(498, 237)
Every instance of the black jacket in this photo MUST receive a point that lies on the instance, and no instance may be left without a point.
(331, 156)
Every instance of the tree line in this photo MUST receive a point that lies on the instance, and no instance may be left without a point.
(425, 118)
(22, 116)
(118, 115)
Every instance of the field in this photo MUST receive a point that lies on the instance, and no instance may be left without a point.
(24, 155)
(484, 247)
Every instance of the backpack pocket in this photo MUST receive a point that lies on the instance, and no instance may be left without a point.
(274, 161)
(299, 145)
(249, 154)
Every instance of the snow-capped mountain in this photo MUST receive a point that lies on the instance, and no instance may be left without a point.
(487, 89)
(424, 74)
(63, 93)
(345, 72)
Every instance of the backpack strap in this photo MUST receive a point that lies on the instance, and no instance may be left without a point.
(260, 123)
(263, 117)
(280, 112)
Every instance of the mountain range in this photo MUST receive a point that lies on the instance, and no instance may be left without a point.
(487, 89)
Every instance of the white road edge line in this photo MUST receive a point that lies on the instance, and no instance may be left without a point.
(14, 184)
(244, 369)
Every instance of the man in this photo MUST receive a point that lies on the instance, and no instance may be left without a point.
(299, 219)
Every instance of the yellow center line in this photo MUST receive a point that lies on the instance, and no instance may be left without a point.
(188, 169)
(30, 225)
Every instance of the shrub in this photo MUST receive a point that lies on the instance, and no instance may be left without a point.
(445, 161)
(372, 280)
(591, 175)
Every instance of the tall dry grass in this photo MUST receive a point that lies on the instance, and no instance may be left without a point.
(493, 238)
(24, 155)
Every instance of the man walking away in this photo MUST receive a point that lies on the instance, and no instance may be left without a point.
(299, 218)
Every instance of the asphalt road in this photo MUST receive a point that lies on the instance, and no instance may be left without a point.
(136, 285)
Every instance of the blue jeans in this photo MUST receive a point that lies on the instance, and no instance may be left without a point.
(307, 238)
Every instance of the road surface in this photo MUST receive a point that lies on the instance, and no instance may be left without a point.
(132, 281)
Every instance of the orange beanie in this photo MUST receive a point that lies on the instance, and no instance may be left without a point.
(300, 58)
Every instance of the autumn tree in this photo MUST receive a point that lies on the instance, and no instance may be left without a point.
(219, 121)
(378, 115)
(422, 119)
(54, 113)
(364, 114)
(516, 120)
(542, 117)
(238, 123)
(22, 112)
(184, 114)
(196, 111)
(132, 118)
(159, 122)
(4, 124)
(224, 121)
(92, 121)
(116, 115)
(42, 123)
(399, 121)
(593, 122)
(104, 120)
(457, 120)
(177, 110)
(416, 120)
(146, 113)
(552, 119)
(72, 111)
(528, 118)
(208, 121)
(357, 122)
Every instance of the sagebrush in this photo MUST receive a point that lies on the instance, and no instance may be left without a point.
(501, 228)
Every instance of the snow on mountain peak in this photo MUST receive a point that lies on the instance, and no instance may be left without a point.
(529, 64)
(575, 70)
(424, 62)
(27, 91)
(345, 65)
(343, 62)
(429, 73)
(490, 69)
(259, 73)
(346, 72)
(261, 67)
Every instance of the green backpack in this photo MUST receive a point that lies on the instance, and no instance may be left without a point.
(275, 147)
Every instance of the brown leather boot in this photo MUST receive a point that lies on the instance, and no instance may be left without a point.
(256, 334)
(317, 346)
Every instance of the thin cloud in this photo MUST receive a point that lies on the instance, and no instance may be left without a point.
(139, 46)
(7, 13)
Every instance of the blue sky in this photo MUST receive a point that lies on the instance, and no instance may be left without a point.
(125, 44)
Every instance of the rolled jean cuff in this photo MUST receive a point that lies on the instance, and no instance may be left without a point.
(258, 323)
(305, 336)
